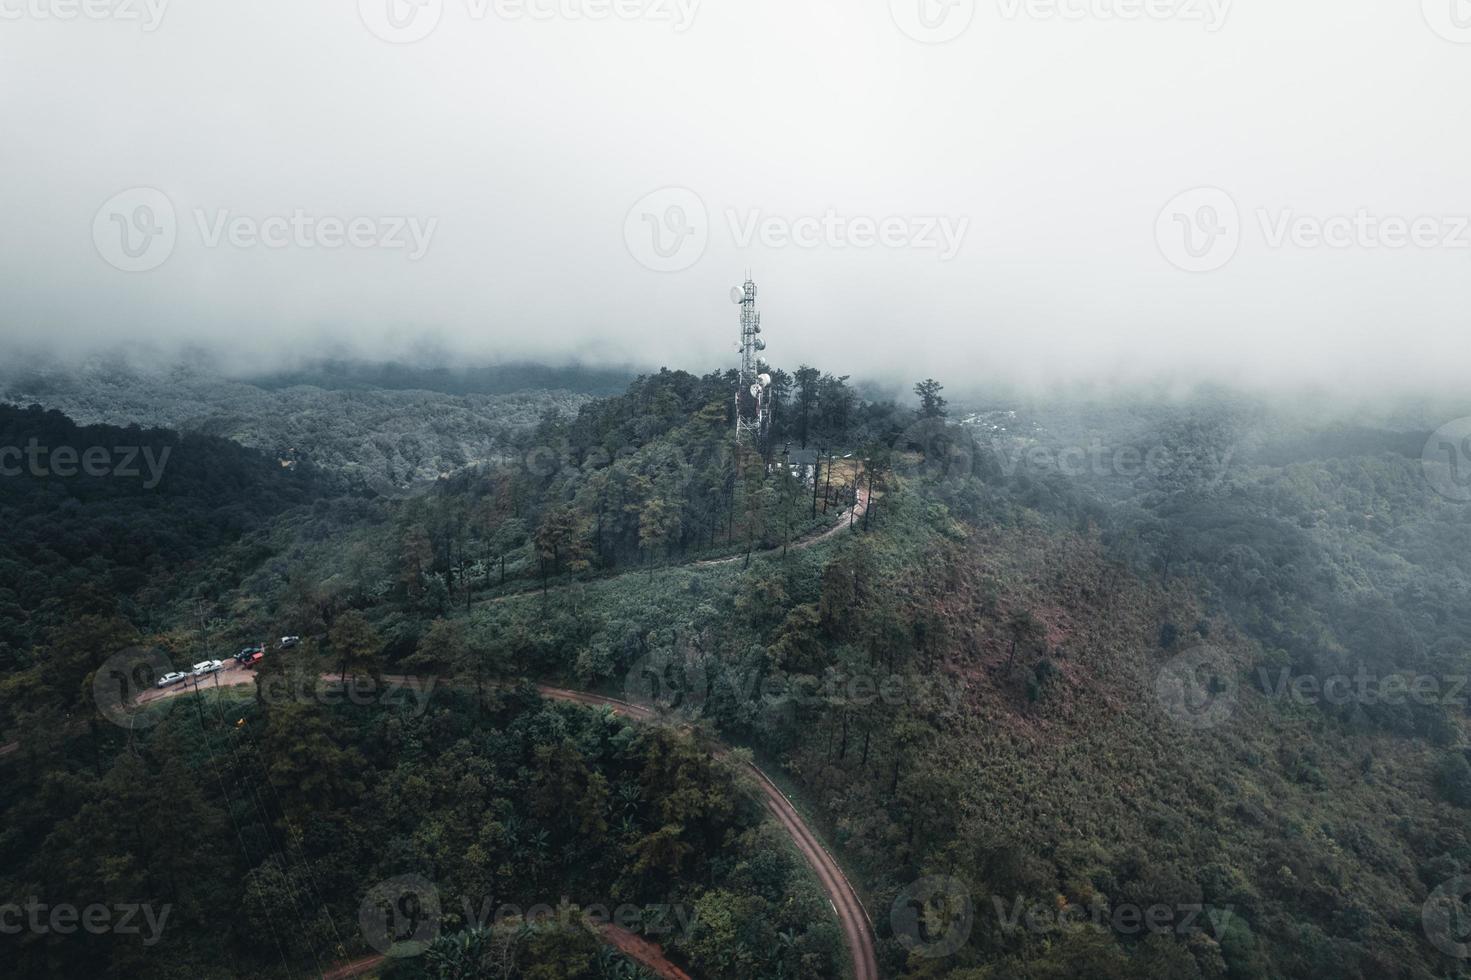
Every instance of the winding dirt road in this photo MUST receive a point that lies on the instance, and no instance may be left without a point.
(845, 520)
(856, 923)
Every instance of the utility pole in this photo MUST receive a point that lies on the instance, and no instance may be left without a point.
(786, 511)
(203, 629)
(868, 510)
(827, 490)
(816, 462)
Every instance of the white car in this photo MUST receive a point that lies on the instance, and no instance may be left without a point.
(206, 667)
(287, 642)
(172, 678)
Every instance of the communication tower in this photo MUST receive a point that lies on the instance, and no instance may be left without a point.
(753, 386)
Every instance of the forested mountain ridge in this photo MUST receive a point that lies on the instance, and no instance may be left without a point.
(131, 517)
(969, 688)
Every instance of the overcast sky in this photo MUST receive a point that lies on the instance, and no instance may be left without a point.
(1013, 189)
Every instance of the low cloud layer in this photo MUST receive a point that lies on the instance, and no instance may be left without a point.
(1048, 193)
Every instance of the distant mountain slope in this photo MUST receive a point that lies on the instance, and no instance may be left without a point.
(389, 437)
(96, 513)
(492, 379)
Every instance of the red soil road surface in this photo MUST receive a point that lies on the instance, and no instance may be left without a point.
(645, 953)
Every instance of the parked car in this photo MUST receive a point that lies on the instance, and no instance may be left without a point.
(249, 652)
(253, 659)
(171, 678)
(287, 642)
(206, 667)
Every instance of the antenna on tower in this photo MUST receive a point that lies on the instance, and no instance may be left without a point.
(753, 385)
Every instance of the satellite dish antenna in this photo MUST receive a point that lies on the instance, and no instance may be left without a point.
(756, 391)
(737, 295)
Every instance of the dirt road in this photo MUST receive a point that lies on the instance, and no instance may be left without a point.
(845, 520)
(648, 955)
(856, 924)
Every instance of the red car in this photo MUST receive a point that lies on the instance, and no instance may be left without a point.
(253, 659)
